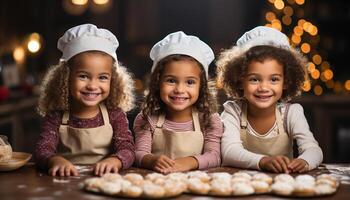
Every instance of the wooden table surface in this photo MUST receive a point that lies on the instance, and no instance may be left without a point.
(28, 183)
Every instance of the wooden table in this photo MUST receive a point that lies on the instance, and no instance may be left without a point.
(28, 183)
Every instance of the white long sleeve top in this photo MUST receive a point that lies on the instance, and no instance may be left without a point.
(295, 124)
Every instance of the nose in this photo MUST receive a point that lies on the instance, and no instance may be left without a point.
(179, 88)
(263, 86)
(92, 84)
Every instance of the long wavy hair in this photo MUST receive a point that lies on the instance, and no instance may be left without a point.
(233, 63)
(55, 95)
(206, 103)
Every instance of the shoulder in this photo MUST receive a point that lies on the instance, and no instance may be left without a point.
(233, 107)
(141, 119)
(116, 114)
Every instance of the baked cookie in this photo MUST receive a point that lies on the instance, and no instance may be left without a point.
(220, 187)
(242, 175)
(262, 177)
(304, 189)
(151, 190)
(93, 184)
(203, 176)
(174, 188)
(5, 149)
(111, 177)
(134, 178)
(221, 175)
(111, 188)
(242, 189)
(284, 178)
(130, 190)
(260, 187)
(324, 189)
(283, 188)
(196, 186)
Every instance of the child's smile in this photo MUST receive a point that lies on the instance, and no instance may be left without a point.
(179, 87)
(90, 79)
(263, 84)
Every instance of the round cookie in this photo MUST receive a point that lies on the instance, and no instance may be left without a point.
(262, 177)
(283, 188)
(242, 189)
(260, 187)
(220, 187)
(196, 186)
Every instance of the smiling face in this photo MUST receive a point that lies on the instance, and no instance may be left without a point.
(263, 84)
(90, 79)
(179, 86)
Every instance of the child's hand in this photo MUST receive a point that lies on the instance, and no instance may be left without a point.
(59, 166)
(107, 165)
(163, 164)
(185, 164)
(277, 164)
(298, 165)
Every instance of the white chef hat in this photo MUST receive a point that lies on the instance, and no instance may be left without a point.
(180, 43)
(263, 35)
(87, 37)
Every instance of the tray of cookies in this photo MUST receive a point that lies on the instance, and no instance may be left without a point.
(222, 184)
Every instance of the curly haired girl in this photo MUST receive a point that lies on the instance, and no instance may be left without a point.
(83, 101)
(178, 128)
(262, 73)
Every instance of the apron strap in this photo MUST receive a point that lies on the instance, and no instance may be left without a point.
(244, 120)
(161, 120)
(195, 118)
(104, 113)
(65, 118)
(279, 121)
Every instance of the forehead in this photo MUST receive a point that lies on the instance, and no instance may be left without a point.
(265, 67)
(182, 68)
(91, 61)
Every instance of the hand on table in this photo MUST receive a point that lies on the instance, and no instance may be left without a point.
(298, 165)
(107, 165)
(276, 164)
(59, 166)
(185, 164)
(163, 164)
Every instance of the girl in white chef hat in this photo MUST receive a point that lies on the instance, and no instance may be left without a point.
(178, 128)
(261, 73)
(83, 101)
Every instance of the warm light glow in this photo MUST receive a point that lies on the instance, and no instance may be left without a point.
(347, 85)
(330, 84)
(318, 90)
(313, 31)
(306, 25)
(276, 24)
(315, 74)
(338, 87)
(311, 67)
(325, 65)
(288, 11)
(34, 36)
(33, 46)
(272, 1)
(300, 2)
(296, 39)
(305, 48)
(306, 86)
(301, 22)
(270, 16)
(317, 59)
(279, 4)
(79, 2)
(328, 74)
(100, 2)
(298, 31)
(19, 55)
(219, 84)
(287, 20)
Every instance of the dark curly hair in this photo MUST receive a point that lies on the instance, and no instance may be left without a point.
(54, 90)
(206, 103)
(233, 64)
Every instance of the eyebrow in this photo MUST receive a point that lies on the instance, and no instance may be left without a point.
(172, 76)
(255, 74)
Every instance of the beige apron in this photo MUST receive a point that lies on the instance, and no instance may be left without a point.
(85, 145)
(279, 145)
(177, 144)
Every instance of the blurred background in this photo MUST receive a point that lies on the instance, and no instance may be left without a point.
(29, 31)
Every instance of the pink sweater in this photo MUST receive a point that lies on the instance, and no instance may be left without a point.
(210, 156)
